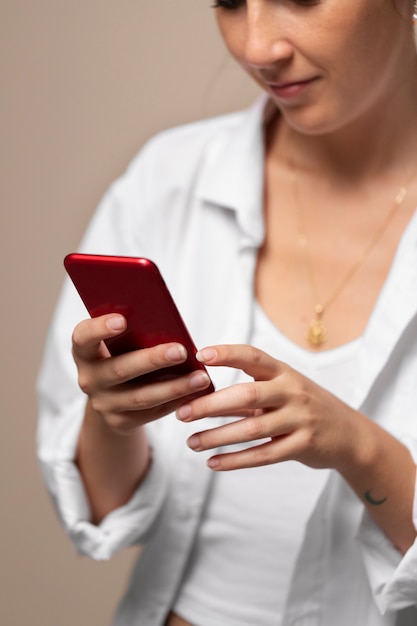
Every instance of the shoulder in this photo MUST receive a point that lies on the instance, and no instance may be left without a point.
(178, 149)
(163, 183)
(175, 158)
(196, 134)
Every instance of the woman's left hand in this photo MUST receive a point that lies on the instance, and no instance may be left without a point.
(298, 419)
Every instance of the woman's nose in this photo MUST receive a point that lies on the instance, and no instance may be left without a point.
(266, 38)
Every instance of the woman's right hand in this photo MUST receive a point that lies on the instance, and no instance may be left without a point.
(107, 380)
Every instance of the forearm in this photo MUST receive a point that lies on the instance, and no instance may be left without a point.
(112, 465)
(383, 477)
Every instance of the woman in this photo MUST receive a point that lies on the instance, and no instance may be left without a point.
(287, 235)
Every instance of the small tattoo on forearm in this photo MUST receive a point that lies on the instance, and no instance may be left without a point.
(372, 500)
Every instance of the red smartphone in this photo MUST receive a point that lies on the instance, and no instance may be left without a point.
(135, 288)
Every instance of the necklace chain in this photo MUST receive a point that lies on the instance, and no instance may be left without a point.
(317, 331)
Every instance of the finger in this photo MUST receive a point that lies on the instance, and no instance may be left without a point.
(242, 431)
(143, 398)
(89, 334)
(274, 451)
(255, 362)
(233, 400)
(128, 421)
(125, 367)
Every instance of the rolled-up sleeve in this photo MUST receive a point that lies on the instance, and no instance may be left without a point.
(61, 412)
(123, 527)
(393, 576)
(62, 403)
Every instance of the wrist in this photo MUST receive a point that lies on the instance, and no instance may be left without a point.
(364, 448)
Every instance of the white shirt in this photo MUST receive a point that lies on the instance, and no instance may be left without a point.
(246, 546)
(192, 201)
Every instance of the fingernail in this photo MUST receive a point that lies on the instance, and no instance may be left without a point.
(116, 323)
(199, 380)
(184, 412)
(213, 462)
(193, 442)
(176, 353)
(206, 354)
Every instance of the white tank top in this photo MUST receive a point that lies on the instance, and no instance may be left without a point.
(254, 521)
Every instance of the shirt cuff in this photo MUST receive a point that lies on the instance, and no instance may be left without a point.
(123, 527)
(393, 576)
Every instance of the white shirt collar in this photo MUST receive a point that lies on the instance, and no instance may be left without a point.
(234, 174)
(234, 178)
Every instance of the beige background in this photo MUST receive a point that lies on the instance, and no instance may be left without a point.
(83, 85)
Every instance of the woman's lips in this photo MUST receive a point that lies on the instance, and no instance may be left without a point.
(288, 90)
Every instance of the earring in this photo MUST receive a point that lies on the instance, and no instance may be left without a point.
(415, 13)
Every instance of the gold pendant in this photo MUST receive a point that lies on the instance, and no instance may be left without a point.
(317, 332)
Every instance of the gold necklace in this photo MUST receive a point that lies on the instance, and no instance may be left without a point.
(317, 331)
